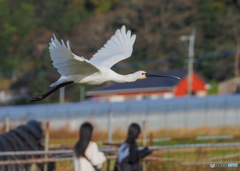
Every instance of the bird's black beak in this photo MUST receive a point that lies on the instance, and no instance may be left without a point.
(167, 76)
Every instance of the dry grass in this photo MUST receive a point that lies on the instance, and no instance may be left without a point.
(66, 137)
(204, 130)
(64, 166)
(3, 128)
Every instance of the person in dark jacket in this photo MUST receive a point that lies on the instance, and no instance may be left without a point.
(128, 153)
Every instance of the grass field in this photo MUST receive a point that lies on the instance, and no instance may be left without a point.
(65, 137)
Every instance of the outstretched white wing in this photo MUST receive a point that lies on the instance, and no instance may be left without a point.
(68, 63)
(118, 48)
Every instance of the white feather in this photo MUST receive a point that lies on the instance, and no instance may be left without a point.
(68, 63)
(118, 48)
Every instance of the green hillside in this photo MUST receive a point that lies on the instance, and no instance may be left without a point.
(26, 28)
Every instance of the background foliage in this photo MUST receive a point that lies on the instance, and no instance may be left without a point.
(27, 26)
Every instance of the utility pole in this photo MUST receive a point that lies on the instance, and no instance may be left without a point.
(190, 48)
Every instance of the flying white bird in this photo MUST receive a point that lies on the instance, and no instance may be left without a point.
(97, 70)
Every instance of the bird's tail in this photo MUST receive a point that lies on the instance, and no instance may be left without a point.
(59, 81)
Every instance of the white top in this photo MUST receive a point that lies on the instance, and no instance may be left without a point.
(96, 157)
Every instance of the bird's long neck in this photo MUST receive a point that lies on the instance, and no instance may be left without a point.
(124, 78)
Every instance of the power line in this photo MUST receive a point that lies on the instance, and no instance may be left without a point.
(221, 53)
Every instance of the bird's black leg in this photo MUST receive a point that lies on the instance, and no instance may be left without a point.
(40, 97)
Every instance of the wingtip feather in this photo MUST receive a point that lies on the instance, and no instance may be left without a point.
(63, 43)
(54, 36)
(128, 36)
(123, 29)
(133, 38)
(68, 45)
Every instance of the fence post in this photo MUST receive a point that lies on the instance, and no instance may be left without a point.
(110, 126)
(61, 95)
(109, 134)
(144, 133)
(82, 93)
(7, 124)
(108, 164)
(144, 142)
(151, 143)
(46, 144)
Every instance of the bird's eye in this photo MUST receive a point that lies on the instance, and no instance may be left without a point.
(142, 73)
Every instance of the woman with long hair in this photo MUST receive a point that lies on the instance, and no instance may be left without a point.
(128, 153)
(86, 156)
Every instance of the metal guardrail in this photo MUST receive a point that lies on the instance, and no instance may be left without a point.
(47, 160)
(52, 152)
(165, 139)
(209, 137)
(215, 137)
(194, 146)
(15, 153)
(37, 160)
